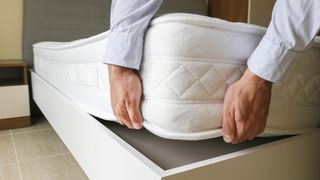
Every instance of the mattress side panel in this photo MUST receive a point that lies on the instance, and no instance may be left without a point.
(86, 84)
(296, 99)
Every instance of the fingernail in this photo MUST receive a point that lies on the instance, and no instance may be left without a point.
(136, 125)
(227, 138)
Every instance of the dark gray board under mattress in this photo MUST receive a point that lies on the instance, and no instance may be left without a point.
(169, 154)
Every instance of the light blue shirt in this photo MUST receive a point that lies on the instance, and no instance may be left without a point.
(294, 25)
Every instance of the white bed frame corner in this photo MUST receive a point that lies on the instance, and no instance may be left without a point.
(104, 155)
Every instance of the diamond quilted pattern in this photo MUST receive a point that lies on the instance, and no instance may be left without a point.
(305, 88)
(230, 72)
(197, 69)
(192, 80)
(180, 80)
(211, 78)
(312, 88)
(151, 77)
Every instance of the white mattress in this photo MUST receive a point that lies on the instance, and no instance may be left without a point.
(188, 63)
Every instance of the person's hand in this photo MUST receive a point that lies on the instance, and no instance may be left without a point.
(246, 107)
(125, 87)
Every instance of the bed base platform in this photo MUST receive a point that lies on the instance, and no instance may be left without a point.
(106, 150)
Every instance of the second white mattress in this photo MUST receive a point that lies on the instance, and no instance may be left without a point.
(188, 63)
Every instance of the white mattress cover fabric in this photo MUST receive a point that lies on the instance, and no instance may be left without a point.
(189, 61)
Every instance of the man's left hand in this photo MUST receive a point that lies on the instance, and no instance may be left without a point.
(246, 107)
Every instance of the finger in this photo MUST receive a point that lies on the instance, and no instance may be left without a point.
(249, 132)
(261, 130)
(254, 134)
(124, 117)
(228, 123)
(115, 109)
(244, 127)
(241, 135)
(240, 126)
(258, 129)
(135, 114)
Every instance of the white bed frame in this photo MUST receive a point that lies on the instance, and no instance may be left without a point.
(104, 155)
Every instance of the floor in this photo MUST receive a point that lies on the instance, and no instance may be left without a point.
(36, 152)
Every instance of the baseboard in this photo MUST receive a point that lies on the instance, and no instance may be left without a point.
(17, 122)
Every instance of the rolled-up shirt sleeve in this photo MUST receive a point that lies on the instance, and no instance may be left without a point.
(294, 25)
(128, 23)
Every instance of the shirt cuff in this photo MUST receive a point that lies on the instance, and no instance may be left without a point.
(124, 49)
(270, 60)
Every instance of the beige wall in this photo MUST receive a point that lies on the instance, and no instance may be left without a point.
(11, 29)
(11, 15)
(260, 12)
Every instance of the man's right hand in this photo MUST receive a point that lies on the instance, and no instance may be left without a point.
(126, 90)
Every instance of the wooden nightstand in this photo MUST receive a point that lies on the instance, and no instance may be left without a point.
(14, 94)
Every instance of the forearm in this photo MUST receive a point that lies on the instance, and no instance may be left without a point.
(129, 20)
(294, 25)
